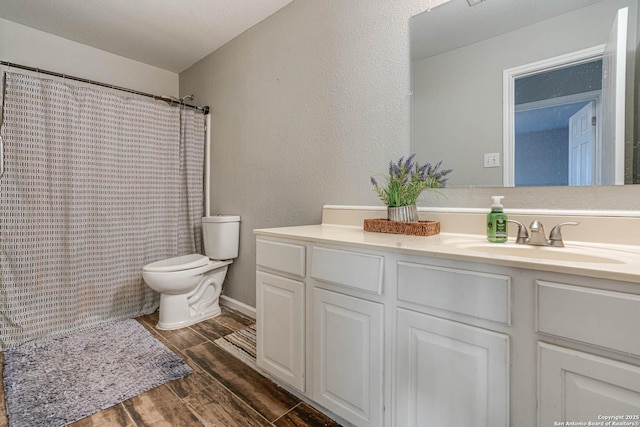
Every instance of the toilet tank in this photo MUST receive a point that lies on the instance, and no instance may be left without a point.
(221, 234)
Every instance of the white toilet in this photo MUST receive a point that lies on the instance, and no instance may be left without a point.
(190, 285)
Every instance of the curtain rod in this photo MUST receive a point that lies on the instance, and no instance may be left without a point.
(171, 100)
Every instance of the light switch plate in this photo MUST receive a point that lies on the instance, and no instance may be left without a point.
(491, 160)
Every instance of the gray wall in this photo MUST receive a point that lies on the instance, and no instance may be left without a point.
(311, 102)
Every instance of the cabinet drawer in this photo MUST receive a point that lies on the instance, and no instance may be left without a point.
(353, 269)
(482, 295)
(595, 316)
(280, 256)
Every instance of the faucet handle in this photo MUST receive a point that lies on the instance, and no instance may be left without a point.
(555, 237)
(523, 234)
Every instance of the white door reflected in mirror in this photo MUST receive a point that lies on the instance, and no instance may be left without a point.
(582, 136)
(564, 117)
(541, 99)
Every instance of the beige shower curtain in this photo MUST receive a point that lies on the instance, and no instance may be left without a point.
(95, 186)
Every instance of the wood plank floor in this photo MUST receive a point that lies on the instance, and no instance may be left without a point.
(221, 392)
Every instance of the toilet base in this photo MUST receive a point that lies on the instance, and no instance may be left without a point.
(179, 311)
(199, 317)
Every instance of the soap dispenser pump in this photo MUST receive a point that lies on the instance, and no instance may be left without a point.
(497, 222)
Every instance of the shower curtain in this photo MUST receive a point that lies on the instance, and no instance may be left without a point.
(95, 186)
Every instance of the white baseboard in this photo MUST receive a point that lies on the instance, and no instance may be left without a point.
(234, 304)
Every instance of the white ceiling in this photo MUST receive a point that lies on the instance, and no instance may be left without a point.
(170, 34)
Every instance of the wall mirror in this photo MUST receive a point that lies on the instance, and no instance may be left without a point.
(527, 92)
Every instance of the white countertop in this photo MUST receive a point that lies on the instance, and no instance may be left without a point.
(444, 245)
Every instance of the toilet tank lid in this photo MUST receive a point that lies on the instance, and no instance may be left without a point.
(184, 262)
(221, 218)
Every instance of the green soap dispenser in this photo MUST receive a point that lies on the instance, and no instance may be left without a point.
(497, 222)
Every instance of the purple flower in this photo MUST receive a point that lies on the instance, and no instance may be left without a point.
(408, 164)
(407, 179)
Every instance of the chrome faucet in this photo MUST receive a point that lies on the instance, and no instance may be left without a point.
(538, 237)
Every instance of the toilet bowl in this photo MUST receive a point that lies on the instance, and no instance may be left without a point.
(190, 285)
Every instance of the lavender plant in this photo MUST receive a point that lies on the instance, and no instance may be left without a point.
(407, 180)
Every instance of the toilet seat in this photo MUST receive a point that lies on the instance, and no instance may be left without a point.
(179, 263)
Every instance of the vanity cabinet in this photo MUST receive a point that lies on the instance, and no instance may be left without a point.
(380, 336)
(321, 329)
(348, 356)
(348, 332)
(280, 322)
(578, 385)
(450, 372)
(280, 311)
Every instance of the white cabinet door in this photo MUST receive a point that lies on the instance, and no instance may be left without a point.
(580, 387)
(450, 374)
(280, 327)
(348, 357)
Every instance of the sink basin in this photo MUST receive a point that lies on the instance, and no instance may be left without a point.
(566, 254)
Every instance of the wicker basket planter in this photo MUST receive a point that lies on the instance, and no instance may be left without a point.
(420, 228)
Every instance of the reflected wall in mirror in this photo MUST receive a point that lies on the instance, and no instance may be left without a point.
(460, 56)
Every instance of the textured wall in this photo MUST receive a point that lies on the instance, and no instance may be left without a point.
(306, 106)
(311, 102)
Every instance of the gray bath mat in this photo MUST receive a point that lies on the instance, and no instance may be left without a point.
(58, 381)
